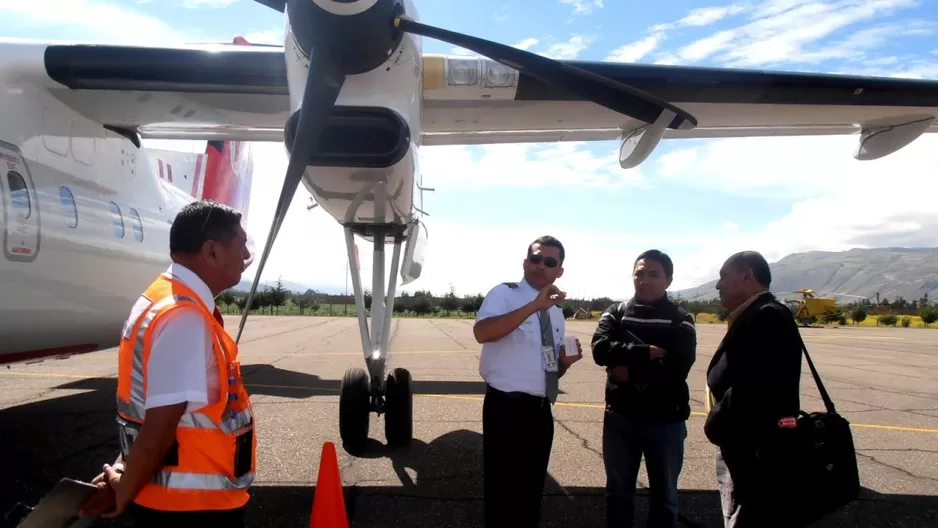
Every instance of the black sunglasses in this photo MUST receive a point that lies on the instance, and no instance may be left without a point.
(550, 262)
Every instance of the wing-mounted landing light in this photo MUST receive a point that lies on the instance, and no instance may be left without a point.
(882, 137)
(355, 36)
(596, 88)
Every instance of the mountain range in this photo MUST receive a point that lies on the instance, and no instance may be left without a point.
(889, 272)
(245, 286)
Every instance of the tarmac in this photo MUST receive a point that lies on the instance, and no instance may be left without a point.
(57, 420)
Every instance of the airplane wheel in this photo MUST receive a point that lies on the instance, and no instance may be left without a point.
(354, 407)
(399, 408)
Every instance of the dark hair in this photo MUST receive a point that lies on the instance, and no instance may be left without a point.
(201, 221)
(661, 258)
(752, 260)
(548, 241)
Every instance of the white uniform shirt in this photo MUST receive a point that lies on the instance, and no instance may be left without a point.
(182, 366)
(515, 362)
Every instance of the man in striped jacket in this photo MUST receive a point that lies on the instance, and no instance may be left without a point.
(648, 346)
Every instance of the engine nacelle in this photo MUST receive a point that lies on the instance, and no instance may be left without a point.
(362, 170)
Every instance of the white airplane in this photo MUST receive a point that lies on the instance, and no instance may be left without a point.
(86, 210)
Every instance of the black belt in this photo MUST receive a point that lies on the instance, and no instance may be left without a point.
(515, 395)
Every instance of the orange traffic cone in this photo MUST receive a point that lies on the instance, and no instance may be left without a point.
(329, 500)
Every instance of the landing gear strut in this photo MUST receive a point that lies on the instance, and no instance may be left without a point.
(375, 389)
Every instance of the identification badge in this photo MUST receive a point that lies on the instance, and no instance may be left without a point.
(550, 359)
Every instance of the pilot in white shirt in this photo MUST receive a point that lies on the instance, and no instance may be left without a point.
(521, 365)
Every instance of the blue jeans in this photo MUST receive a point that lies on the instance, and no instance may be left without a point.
(624, 442)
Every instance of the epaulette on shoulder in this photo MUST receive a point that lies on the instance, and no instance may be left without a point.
(512, 285)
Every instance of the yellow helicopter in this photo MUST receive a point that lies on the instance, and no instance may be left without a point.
(810, 307)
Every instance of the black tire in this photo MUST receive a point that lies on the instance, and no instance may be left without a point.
(399, 409)
(354, 409)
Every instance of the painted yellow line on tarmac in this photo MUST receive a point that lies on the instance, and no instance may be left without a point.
(857, 337)
(392, 353)
(585, 405)
(51, 375)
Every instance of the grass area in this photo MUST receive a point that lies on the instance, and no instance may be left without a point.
(348, 310)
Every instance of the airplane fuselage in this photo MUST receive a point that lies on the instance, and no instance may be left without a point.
(85, 226)
(85, 213)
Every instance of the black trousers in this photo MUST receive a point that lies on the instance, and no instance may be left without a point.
(147, 518)
(517, 435)
(744, 503)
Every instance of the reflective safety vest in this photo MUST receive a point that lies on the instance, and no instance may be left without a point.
(211, 464)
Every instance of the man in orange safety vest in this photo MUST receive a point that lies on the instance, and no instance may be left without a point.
(185, 419)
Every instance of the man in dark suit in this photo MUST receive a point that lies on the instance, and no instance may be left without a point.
(753, 386)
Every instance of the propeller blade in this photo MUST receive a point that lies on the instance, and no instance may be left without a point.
(279, 5)
(323, 84)
(601, 90)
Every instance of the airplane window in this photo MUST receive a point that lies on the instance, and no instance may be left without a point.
(137, 225)
(69, 209)
(19, 195)
(117, 220)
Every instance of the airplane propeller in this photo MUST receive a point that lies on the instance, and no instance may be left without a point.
(325, 37)
(323, 84)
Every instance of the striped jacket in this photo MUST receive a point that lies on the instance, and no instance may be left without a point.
(656, 389)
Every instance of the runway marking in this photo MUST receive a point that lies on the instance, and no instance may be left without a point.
(447, 396)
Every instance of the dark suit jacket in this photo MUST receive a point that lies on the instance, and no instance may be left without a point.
(754, 377)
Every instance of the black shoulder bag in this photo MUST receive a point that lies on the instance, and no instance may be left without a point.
(811, 468)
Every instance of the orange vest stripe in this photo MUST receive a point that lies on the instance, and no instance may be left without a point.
(207, 438)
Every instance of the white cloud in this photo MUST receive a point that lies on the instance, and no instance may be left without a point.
(704, 16)
(267, 36)
(526, 165)
(526, 43)
(583, 7)
(570, 49)
(731, 226)
(636, 50)
(783, 30)
(89, 19)
(212, 4)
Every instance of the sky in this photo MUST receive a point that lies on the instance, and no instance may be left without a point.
(697, 200)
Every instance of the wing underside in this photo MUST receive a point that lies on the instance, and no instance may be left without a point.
(240, 93)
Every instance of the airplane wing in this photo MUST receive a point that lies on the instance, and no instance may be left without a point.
(240, 92)
(477, 100)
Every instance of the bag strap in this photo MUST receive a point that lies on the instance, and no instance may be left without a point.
(828, 403)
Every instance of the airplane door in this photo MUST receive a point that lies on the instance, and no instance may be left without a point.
(20, 206)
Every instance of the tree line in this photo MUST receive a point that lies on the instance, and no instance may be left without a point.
(271, 299)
